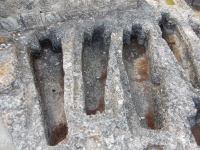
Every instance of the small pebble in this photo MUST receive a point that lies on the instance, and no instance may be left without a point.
(18, 34)
(138, 76)
(3, 45)
(57, 63)
(120, 102)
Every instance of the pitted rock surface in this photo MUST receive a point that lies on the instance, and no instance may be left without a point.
(134, 63)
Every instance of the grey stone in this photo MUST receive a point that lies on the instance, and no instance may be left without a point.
(31, 19)
(9, 23)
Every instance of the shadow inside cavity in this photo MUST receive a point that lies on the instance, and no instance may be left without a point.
(47, 60)
(95, 55)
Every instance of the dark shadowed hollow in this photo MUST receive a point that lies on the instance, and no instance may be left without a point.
(49, 74)
(141, 88)
(94, 69)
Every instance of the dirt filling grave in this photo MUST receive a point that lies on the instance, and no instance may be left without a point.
(141, 88)
(95, 55)
(180, 50)
(196, 133)
(48, 70)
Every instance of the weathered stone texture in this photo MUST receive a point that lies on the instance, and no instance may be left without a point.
(132, 121)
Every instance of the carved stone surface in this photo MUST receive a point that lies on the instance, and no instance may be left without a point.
(9, 23)
(31, 19)
(150, 80)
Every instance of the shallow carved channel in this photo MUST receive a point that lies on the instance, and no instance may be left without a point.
(49, 74)
(94, 69)
(137, 68)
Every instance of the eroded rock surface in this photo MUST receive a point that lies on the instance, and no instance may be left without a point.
(101, 75)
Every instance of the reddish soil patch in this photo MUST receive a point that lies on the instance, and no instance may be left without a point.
(58, 134)
(100, 108)
(146, 88)
(141, 68)
(102, 78)
(149, 117)
(5, 39)
(197, 10)
(196, 132)
(198, 13)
